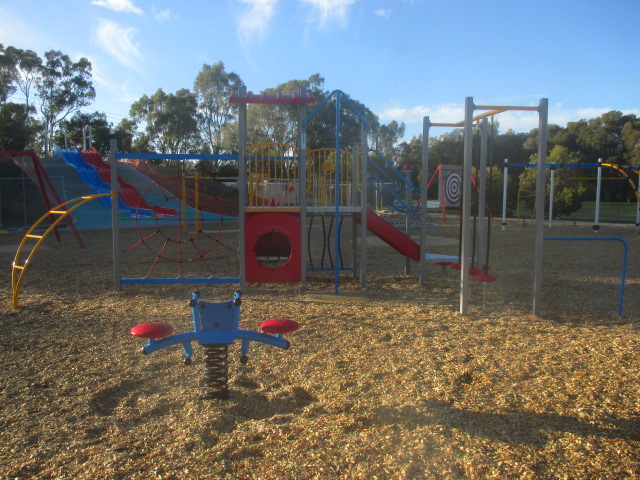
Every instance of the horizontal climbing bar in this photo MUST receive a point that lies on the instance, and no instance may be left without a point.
(176, 281)
(276, 99)
(504, 109)
(175, 156)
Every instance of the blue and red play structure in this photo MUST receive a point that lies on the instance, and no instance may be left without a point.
(215, 327)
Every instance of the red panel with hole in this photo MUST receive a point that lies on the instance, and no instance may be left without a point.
(272, 247)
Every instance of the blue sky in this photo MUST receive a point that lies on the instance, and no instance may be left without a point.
(404, 59)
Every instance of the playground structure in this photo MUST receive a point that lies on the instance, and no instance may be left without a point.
(275, 211)
(467, 243)
(215, 327)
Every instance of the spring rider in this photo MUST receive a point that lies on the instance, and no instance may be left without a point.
(216, 326)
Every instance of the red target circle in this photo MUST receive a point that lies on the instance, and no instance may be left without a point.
(453, 188)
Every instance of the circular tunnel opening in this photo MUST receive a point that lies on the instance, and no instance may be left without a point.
(273, 250)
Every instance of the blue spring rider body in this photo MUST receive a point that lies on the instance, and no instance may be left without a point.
(215, 327)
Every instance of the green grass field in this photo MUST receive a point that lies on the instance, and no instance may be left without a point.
(610, 212)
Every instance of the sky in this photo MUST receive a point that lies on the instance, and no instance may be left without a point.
(403, 59)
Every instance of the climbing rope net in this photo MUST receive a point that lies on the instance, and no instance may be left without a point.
(187, 238)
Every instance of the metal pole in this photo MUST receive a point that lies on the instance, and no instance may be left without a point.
(408, 192)
(482, 195)
(543, 112)
(242, 181)
(336, 279)
(551, 188)
(24, 201)
(504, 193)
(426, 125)
(115, 215)
(364, 169)
(638, 212)
(596, 223)
(353, 202)
(465, 251)
(302, 187)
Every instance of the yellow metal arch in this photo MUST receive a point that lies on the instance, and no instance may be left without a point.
(19, 269)
(623, 171)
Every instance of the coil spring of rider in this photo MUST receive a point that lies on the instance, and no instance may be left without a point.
(216, 371)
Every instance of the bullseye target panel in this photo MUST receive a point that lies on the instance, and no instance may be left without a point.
(272, 247)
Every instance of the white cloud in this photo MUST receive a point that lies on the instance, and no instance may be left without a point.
(444, 113)
(254, 21)
(329, 12)
(162, 15)
(118, 42)
(118, 5)
(383, 12)
(518, 121)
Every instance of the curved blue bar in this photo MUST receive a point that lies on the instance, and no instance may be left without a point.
(624, 258)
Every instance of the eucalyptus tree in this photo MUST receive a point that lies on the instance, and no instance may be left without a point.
(168, 122)
(63, 87)
(386, 137)
(212, 88)
(7, 67)
(25, 67)
(18, 71)
(279, 123)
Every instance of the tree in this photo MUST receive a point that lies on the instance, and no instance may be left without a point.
(76, 130)
(14, 134)
(447, 149)
(212, 88)
(123, 134)
(170, 122)
(569, 192)
(63, 88)
(631, 139)
(279, 123)
(385, 138)
(7, 67)
(18, 72)
(411, 154)
(27, 67)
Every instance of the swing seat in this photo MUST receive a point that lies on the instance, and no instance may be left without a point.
(484, 277)
(279, 326)
(151, 330)
(443, 266)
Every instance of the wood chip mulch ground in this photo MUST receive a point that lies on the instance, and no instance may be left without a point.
(387, 382)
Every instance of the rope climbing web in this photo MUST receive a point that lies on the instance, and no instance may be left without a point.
(187, 238)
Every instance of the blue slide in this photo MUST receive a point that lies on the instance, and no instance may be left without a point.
(90, 176)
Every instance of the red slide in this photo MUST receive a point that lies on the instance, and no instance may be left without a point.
(391, 235)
